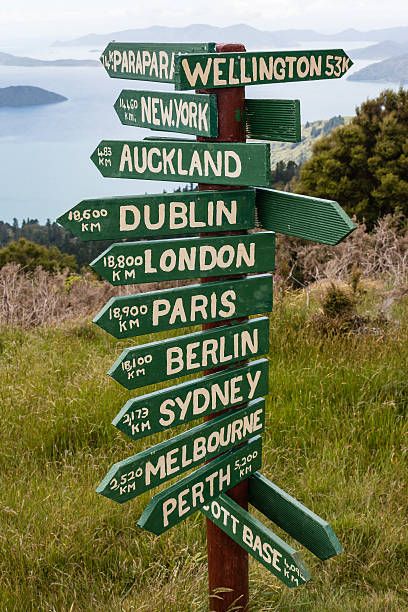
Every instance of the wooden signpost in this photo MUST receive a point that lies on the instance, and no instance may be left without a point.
(185, 161)
(220, 252)
(148, 414)
(135, 315)
(147, 364)
(164, 214)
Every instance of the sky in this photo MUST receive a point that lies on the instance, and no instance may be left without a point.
(50, 19)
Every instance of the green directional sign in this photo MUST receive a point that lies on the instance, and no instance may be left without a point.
(302, 216)
(143, 313)
(169, 112)
(189, 494)
(218, 163)
(160, 463)
(292, 516)
(203, 70)
(162, 214)
(273, 120)
(160, 410)
(127, 263)
(165, 359)
(147, 61)
(259, 541)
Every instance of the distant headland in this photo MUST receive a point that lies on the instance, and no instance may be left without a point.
(6, 59)
(25, 95)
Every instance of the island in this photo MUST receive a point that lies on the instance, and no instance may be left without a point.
(6, 59)
(25, 95)
(392, 70)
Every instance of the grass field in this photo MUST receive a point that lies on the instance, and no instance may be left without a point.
(336, 439)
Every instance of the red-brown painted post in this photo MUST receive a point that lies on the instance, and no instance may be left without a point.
(227, 561)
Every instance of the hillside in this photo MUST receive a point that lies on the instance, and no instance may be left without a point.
(6, 59)
(25, 95)
(392, 70)
(379, 51)
(252, 37)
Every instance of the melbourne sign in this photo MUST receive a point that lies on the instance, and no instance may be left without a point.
(143, 313)
(165, 359)
(185, 161)
(147, 61)
(202, 71)
(164, 214)
(259, 541)
(169, 112)
(144, 262)
(148, 414)
(189, 494)
(158, 464)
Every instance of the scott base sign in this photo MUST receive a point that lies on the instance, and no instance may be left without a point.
(143, 313)
(148, 414)
(189, 494)
(204, 71)
(186, 161)
(169, 112)
(165, 359)
(162, 462)
(128, 263)
(147, 61)
(292, 516)
(259, 541)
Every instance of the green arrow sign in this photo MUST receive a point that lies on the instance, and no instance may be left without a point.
(147, 61)
(203, 70)
(150, 363)
(149, 414)
(302, 216)
(292, 516)
(169, 112)
(259, 541)
(273, 120)
(163, 214)
(127, 263)
(188, 162)
(160, 463)
(189, 494)
(136, 315)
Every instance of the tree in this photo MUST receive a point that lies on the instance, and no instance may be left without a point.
(364, 165)
(30, 256)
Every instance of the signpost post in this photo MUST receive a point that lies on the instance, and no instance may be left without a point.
(220, 252)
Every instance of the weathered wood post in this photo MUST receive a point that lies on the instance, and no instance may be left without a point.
(227, 561)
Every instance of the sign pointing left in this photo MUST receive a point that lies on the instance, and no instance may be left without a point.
(147, 61)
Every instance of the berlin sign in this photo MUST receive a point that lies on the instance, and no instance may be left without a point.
(189, 494)
(165, 359)
(147, 61)
(162, 214)
(169, 112)
(220, 163)
(292, 516)
(302, 216)
(127, 263)
(204, 71)
(148, 414)
(158, 464)
(259, 541)
(143, 313)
